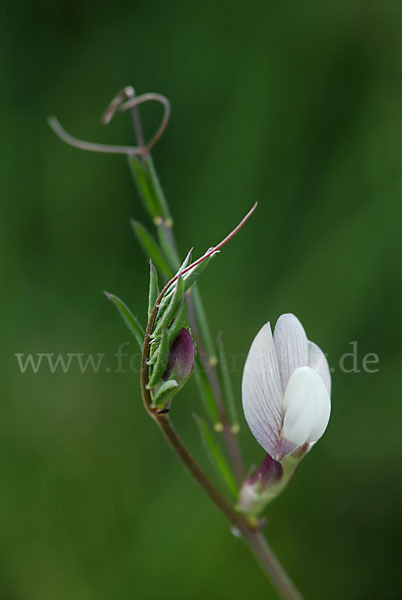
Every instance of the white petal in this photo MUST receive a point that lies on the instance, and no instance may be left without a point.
(307, 407)
(262, 391)
(291, 346)
(318, 362)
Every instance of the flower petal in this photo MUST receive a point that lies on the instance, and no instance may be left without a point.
(291, 346)
(262, 391)
(318, 362)
(307, 407)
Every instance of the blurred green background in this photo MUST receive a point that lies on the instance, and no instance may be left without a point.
(294, 104)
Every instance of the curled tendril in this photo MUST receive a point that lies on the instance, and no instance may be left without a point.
(124, 100)
(120, 97)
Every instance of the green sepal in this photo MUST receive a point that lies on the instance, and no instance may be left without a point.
(150, 247)
(217, 456)
(189, 277)
(172, 308)
(164, 393)
(226, 384)
(172, 286)
(198, 305)
(179, 322)
(186, 261)
(161, 361)
(192, 275)
(153, 288)
(130, 320)
(153, 355)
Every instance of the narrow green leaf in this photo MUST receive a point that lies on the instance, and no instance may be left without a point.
(205, 390)
(141, 178)
(226, 385)
(217, 456)
(164, 393)
(161, 361)
(153, 288)
(149, 189)
(130, 320)
(150, 247)
(156, 189)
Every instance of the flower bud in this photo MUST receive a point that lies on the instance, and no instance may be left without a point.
(180, 363)
(181, 357)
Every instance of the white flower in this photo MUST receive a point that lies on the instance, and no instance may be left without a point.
(286, 388)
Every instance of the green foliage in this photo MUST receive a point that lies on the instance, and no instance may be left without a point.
(164, 393)
(164, 237)
(203, 323)
(217, 457)
(150, 247)
(162, 354)
(153, 288)
(171, 310)
(130, 320)
(157, 191)
(226, 384)
(180, 321)
(192, 275)
(205, 390)
(149, 189)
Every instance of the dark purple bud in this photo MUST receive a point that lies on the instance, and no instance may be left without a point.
(181, 357)
(269, 472)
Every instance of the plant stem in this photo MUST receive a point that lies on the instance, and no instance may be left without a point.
(271, 566)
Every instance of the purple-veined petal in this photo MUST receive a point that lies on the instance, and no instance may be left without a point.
(307, 407)
(291, 346)
(318, 362)
(262, 391)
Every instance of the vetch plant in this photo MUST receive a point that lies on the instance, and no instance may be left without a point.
(286, 381)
